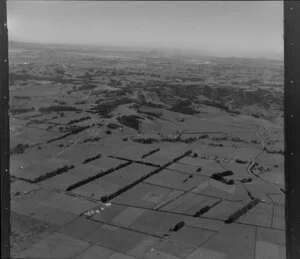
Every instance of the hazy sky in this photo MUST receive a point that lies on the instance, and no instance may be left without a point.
(224, 27)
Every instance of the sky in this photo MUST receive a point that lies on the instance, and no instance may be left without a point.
(226, 28)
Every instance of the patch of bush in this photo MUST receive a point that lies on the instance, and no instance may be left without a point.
(15, 111)
(146, 141)
(22, 97)
(151, 114)
(60, 102)
(166, 139)
(217, 176)
(227, 173)
(19, 149)
(178, 139)
(230, 182)
(279, 152)
(26, 76)
(61, 128)
(178, 226)
(221, 177)
(50, 127)
(78, 120)
(237, 139)
(57, 108)
(35, 121)
(72, 131)
(152, 105)
(219, 105)
(202, 211)
(246, 180)
(105, 109)
(95, 139)
(131, 121)
(81, 102)
(114, 82)
(184, 107)
(215, 145)
(86, 87)
(86, 75)
(113, 126)
(241, 161)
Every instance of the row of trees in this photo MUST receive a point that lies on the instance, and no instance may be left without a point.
(53, 173)
(91, 159)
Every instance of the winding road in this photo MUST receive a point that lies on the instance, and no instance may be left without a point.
(249, 169)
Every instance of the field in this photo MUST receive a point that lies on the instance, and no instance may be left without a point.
(127, 154)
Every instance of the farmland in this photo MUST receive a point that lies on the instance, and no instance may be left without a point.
(128, 154)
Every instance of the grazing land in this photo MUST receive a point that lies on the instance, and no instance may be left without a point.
(136, 154)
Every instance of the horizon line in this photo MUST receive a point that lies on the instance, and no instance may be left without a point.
(203, 52)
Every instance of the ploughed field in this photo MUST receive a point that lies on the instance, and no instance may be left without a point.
(135, 155)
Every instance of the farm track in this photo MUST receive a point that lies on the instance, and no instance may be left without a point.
(69, 148)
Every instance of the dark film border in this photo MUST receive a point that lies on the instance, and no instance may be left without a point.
(291, 129)
(4, 136)
(292, 126)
